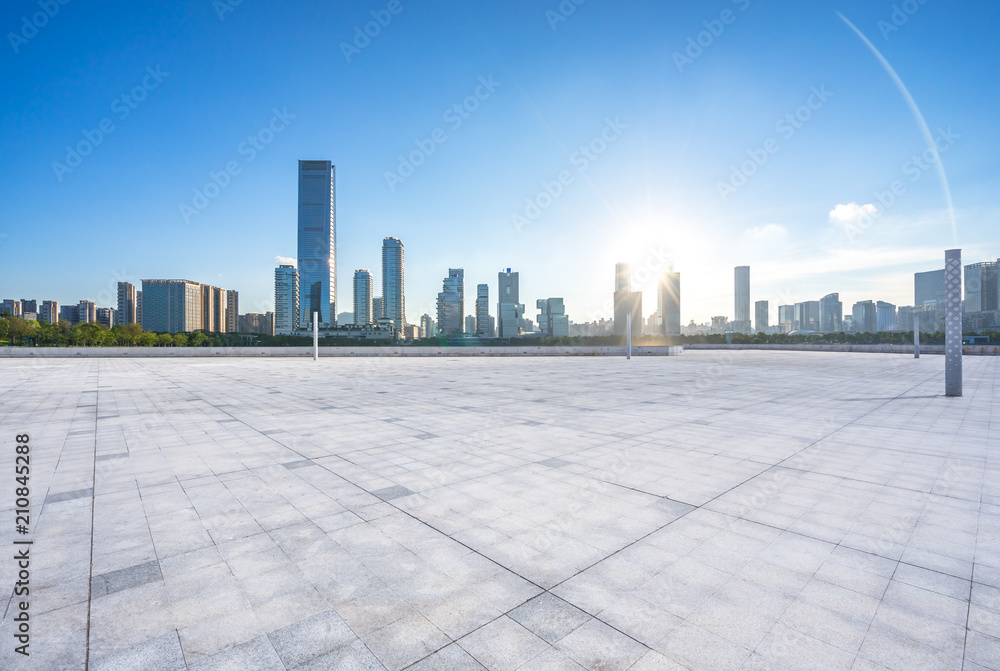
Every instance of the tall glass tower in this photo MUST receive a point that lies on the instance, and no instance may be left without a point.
(393, 304)
(742, 310)
(363, 297)
(317, 243)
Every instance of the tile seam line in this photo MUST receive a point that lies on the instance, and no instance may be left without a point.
(93, 506)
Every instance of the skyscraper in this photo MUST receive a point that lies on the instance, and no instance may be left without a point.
(86, 312)
(885, 316)
(626, 301)
(426, 326)
(741, 322)
(213, 307)
(286, 300)
(126, 313)
(483, 311)
(864, 317)
(831, 314)
(49, 312)
(29, 305)
(670, 303)
(786, 318)
(510, 311)
(928, 288)
(980, 287)
(552, 319)
(232, 311)
(451, 303)
(138, 308)
(363, 297)
(393, 300)
(806, 317)
(317, 248)
(761, 317)
(470, 325)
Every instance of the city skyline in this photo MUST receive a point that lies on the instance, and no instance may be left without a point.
(512, 137)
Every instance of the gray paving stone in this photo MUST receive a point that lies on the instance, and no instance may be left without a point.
(158, 654)
(133, 576)
(312, 638)
(390, 493)
(548, 617)
(69, 496)
(255, 654)
(302, 463)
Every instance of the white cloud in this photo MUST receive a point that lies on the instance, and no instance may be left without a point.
(848, 214)
(285, 261)
(766, 232)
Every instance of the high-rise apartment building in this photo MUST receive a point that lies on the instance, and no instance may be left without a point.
(86, 312)
(626, 301)
(980, 287)
(831, 314)
(29, 305)
(105, 317)
(378, 308)
(317, 244)
(427, 329)
(286, 300)
(257, 323)
(49, 312)
(510, 311)
(786, 318)
(393, 301)
(172, 306)
(470, 325)
(126, 313)
(363, 297)
(11, 307)
(483, 311)
(451, 303)
(761, 317)
(213, 307)
(138, 308)
(741, 323)
(232, 311)
(669, 303)
(552, 319)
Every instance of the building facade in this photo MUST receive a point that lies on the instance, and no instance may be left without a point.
(232, 311)
(831, 314)
(317, 242)
(552, 319)
(864, 317)
(981, 287)
(451, 303)
(49, 312)
(126, 313)
(510, 310)
(363, 311)
(286, 300)
(741, 322)
(885, 316)
(171, 306)
(761, 317)
(483, 311)
(393, 299)
(669, 303)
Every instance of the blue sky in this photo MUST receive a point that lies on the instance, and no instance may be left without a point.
(665, 125)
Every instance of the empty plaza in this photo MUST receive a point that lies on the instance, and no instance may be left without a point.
(710, 511)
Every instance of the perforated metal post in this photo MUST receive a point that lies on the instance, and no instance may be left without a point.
(628, 335)
(953, 322)
(916, 336)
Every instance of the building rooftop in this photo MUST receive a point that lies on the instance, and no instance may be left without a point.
(718, 510)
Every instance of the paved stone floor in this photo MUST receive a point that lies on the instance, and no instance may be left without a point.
(718, 510)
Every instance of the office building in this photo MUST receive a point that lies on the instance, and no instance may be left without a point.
(552, 319)
(126, 313)
(171, 306)
(393, 304)
(346, 318)
(885, 316)
(760, 317)
(741, 322)
(483, 311)
(470, 325)
(669, 303)
(378, 308)
(317, 243)
(232, 311)
(510, 311)
(786, 318)
(928, 288)
(261, 324)
(363, 313)
(49, 312)
(864, 317)
(286, 300)
(831, 314)
(86, 312)
(806, 317)
(138, 308)
(29, 305)
(11, 307)
(427, 329)
(68, 313)
(451, 303)
(626, 301)
(213, 306)
(980, 287)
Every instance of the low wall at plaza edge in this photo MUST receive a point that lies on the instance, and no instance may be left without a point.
(969, 350)
(396, 351)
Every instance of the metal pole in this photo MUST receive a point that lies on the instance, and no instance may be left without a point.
(315, 336)
(916, 336)
(628, 335)
(953, 322)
